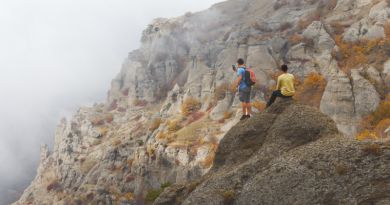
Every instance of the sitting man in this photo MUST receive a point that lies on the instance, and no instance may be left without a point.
(285, 86)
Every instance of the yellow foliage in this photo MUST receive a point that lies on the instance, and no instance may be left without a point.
(103, 131)
(173, 125)
(310, 92)
(227, 115)
(367, 135)
(381, 127)
(161, 135)
(129, 196)
(260, 106)
(190, 105)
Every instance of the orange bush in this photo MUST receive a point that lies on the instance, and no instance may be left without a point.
(311, 91)
(295, 39)
(367, 135)
(190, 105)
(381, 127)
(173, 125)
(378, 121)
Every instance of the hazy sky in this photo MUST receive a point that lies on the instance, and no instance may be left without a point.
(56, 55)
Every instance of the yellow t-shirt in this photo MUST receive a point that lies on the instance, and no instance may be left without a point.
(286, 84)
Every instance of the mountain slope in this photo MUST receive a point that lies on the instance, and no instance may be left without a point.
(291, 154)
(170, 105)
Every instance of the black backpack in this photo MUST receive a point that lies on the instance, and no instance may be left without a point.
(250, 78)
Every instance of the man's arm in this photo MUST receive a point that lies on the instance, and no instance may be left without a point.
(278, 84)
(236, 83)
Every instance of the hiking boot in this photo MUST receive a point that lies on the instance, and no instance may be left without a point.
(248, 116)
(243, 117)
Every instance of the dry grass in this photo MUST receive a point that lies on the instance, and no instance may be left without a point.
(173, 125)
(190, 105)
(103, 131)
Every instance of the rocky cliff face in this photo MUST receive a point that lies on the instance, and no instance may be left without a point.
(291, 154)
(170, 105)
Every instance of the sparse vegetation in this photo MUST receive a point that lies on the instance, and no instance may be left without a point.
(260, 106)
(295, 39)
(190, 105)
(152, 194)
(54, 186)
(173, 125)
(139, 102)
(311, 90)
(221, 90)
(374, 125)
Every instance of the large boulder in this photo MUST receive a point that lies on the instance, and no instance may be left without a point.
(291, 154)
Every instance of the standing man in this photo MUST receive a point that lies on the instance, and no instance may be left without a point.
(244, 90)
(285, 86)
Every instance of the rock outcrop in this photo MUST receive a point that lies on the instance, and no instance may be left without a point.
(170, 106)
(291, 154)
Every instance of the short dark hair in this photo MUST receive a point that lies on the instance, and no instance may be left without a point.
(284, 68)
(240, 61)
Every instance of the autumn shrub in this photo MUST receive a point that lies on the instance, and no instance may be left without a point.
(295, 39)
(109, 118)
(227, 115)
(103, 131)
(195, 117)
(367, 135)
(190, 105)
(139, 102)
(97, 120)
(54, 186)
(173, 125)
(381, 127)
(311, 90)
(337, 27)
(284, 26)
(260, 106)
(155, 124)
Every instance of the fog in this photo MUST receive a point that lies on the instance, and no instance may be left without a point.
(55, 56)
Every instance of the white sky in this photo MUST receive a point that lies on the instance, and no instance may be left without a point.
(56, 55)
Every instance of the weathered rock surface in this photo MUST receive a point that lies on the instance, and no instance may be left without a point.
(290, 154)
(118, 151)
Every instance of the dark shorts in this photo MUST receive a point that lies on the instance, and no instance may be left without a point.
(245, 95)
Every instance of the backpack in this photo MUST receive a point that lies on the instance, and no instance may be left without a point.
(250, 78)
